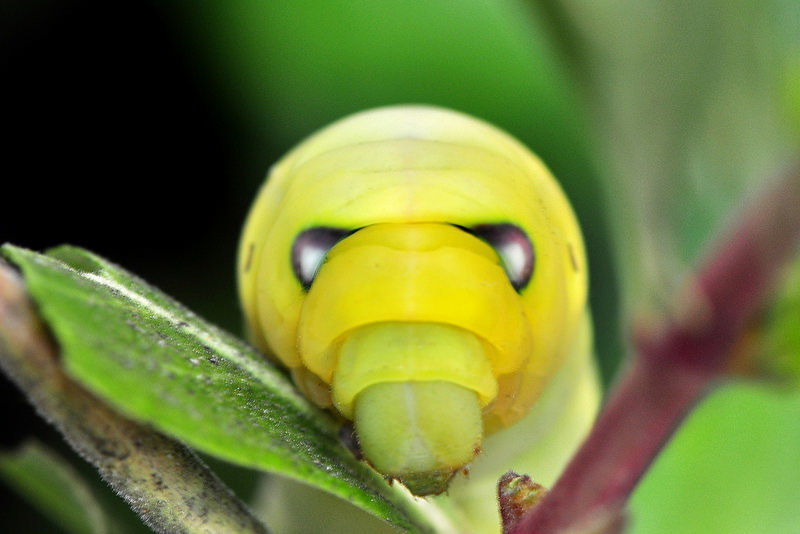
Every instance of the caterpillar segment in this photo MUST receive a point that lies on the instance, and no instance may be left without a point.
(421, 274)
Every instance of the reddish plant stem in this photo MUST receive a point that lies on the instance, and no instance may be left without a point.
(677, 362)
(634, 426)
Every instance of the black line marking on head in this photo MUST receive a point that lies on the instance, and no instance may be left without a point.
(572, 258)
(248, 262)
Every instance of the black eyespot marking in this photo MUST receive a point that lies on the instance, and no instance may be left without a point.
(309, 251)
(514, 249)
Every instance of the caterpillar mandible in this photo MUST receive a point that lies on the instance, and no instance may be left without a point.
(420, 273)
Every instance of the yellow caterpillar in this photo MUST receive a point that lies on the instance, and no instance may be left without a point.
(421, 274)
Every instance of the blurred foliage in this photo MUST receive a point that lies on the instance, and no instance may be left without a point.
(692, 111)
(778, 349)
(659, 118)
(733, 468)
(693, 105)
(54, 487)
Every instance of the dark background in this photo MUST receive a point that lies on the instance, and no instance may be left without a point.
(112, 143)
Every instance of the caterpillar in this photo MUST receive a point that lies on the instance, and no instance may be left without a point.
(420, 273)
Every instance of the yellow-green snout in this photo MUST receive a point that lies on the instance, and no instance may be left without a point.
(420, 433)
(416, 392)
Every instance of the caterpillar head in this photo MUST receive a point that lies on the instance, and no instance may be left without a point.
(420, 273)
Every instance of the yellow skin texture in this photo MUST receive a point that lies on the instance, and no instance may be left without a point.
(412, 317)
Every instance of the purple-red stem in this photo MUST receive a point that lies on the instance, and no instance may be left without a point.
(676, 363)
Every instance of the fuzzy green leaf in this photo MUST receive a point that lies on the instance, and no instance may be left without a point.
(157, 362)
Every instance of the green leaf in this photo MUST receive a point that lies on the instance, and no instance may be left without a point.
(300, 65)
(159, 363)
(162, 480)
(62, 488)
(54, 487)
(733, 468)
(779, 352)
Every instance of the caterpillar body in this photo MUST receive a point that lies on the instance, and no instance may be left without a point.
(420, 273)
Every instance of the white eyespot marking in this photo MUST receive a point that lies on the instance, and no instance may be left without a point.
(514, 249)
(310, 249)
